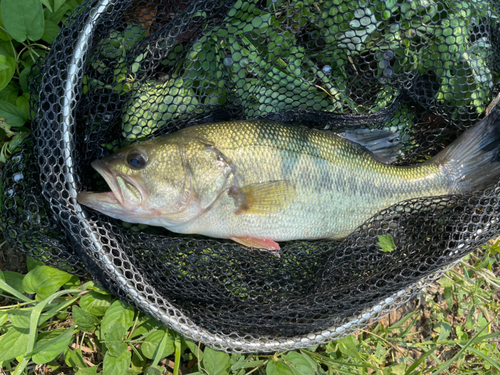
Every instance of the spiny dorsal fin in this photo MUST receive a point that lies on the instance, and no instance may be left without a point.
(263, 198)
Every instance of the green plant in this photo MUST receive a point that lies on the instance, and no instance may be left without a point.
(27, 28)
(61, 322)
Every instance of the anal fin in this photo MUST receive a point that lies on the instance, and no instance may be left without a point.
(259, 243)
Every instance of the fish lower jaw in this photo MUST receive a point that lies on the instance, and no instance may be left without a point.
(97, 200)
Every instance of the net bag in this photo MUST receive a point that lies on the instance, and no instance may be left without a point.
(128, 70)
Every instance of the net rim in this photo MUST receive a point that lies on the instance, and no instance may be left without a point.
(165, 312)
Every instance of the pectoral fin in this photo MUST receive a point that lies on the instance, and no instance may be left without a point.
(259, 243)
(263, 198)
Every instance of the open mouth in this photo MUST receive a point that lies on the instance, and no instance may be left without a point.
(115, 194)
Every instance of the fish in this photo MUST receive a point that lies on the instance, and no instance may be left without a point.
(259, 183)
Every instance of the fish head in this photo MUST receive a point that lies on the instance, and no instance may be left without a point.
(161, 182)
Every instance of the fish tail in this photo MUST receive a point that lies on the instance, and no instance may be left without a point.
(472, 162)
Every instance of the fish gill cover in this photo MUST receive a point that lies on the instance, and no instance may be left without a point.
(122, 71)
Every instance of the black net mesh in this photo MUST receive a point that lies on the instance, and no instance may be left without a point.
(122, 71)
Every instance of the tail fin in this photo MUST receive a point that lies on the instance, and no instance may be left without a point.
(473, 160)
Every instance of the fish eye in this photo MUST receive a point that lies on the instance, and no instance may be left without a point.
(136, 160)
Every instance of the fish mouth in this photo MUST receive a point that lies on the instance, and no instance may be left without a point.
(125, 192)
(111, 180)
(95, 200)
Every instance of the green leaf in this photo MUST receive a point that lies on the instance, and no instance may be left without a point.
(74, 358)
(452, 360)
(23, 102)
(84, 320)
(53, 5)
(14, 116)
(445, 331)
(118, 312)
(3, 34)
(88, 371)
(95, 303)
(195, 349)
(23, 19)
(58, 4)
(152, 341)
(31, 263)
(317, 368)
(23, 79)
(115, 339)
(144, 325)
(386, 243)
(34, 322)
(74, 282)
(7, 48)
(299, 363)
(245, 364)
(3, 317)
(279, 368)
(395, 369)
(20, 318)
(44, 281)
(216, 362)
(15, 280)
(7, 70)
(349, 346)
(48, 4)
(13, 343)
(52, 29)
(91, 285)
(116, 365)
(48, 349)
(10, 93)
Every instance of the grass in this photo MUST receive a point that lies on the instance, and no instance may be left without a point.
(452, 327)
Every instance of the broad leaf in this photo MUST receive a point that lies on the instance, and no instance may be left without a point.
(348, 346)
(52, 29)
(14, 116)
(10, 93)
(88, 371)
(144, 325)
(386, 243)
(3, 34)
(31, 263)
(195, 349)
(216, 362)
(20, 318)
(7, 70)
(23, 79)
(23, 19)
(279, 368)
(117, 312)
(84, 320)
(3, 317)
(48, 349)
(15, 280)
(44, 281)
(299, 363)
(116, 365)
(74, 358)
(95, 303)
(152, 341)
(115, 339)
(13, 343)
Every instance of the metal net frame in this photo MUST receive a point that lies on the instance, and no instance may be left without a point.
(96, 91)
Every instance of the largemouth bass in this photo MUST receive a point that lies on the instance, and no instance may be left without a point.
(259, 183)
